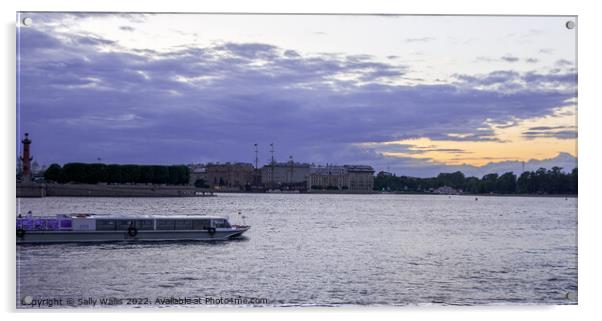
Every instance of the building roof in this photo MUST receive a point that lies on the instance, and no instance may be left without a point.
(359, 168)
(125, 216)
(287, 164)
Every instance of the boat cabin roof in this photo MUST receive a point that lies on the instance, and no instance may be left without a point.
(127, 217)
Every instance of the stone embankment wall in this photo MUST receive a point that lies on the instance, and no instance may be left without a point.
(101, 190)
(31, 190)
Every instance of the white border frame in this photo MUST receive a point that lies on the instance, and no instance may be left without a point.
(589, 107)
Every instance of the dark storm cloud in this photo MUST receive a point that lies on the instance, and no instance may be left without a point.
(291, 54)
(414, 150)
(90, 41)
(522, 84)
(550, 127)
(563, 62)
(559, 132)
(441, 150)
(503, 124)
(250, 50)
(509, 58)
(506, 58)
(564, 78)
(214, 103)
(495, 77)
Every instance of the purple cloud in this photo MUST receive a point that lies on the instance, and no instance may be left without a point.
(509, 58)
(213, 103)
(559, 132)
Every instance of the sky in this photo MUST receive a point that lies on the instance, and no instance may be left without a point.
(413, 95)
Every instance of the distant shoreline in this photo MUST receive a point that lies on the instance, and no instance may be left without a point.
(103, 190)
(485, 195)
(93, 190)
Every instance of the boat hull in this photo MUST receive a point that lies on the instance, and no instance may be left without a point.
(31, 237)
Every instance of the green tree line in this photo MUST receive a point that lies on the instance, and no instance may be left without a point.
(541, 181)
(117, 174)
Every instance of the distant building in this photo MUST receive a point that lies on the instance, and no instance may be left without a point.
(447, 190)
(26, 159)
(349, 178)
(283, 176)
(328, 177)
(288, 175)
(361, 178)
(198, 172)
(230, 175)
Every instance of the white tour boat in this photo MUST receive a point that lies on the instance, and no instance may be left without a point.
(106, 228)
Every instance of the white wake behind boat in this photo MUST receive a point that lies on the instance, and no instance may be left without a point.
(106, 228)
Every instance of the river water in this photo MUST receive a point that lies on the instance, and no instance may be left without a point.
(325, 250)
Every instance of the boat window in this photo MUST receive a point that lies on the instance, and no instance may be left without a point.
(183, 225)
(52, 224)
(201, 224)
(104, 225)
(40, 224)
(144, 224)
(122, 225)
(27, 224)
(166, 224)
(221, 224)
(65, 223)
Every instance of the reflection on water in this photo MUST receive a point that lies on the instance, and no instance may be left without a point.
(324, 250)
